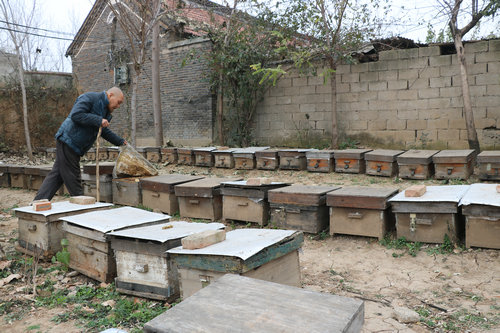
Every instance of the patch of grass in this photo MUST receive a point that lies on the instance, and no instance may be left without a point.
(141, 206)
(33, 327)
(412, 248)
(447, 247)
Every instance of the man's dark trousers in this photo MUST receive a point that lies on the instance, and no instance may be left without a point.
(66, 170)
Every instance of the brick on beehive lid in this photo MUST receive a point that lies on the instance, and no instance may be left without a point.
(320, 160)
(158, 192)
(40, 232)
(429, 217)
(263, 307)
(41, 206)
(382, 162)
(89, 239)
(245, 158)
(203, 239)
(203, 156)
(267, 254)
(481, 207)
(416, 164)
(201, 198)
(267, 159)
(415, 191)
(350, 160)
(454, 164)
(143, 267)
(362, 211)
(82, 200)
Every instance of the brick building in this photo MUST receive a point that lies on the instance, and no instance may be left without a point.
(100, 50)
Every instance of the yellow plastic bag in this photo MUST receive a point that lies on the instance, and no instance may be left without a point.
(132, 164)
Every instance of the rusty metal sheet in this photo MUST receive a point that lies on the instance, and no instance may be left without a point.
(241, 243)
(115, 219)
(445, 193)
(62, 207)
(167, 231)
(481, 194)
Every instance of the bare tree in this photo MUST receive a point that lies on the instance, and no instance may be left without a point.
(136, 19)
(18, 19)
(455, 10)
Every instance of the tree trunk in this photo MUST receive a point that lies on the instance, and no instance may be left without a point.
(25, 105)
(335, 130)
(158, 123)
(469, 115)
(220, 111)
(133, 108)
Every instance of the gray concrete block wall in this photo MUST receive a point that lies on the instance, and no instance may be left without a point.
(409, 98)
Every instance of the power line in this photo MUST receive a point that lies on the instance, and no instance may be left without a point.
(35, 28)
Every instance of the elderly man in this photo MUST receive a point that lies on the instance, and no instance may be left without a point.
(76, 135)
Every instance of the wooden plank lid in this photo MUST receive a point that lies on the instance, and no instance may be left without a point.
(306, 195)
(166, 183)
(105, 168)
(414, 156)
(356, 153)
(383, 155)
(203, 188)
(361, 197)
(489, 156)
(453, 156)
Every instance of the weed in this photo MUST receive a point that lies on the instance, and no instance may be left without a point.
(348, 143)
(401, 244)
(141, 206)
(323, 235)
(446, 247)
(63, 255)
(33, 327)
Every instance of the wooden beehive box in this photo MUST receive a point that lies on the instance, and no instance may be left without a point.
(90, 154)
(89, 244)
(430, 217)
(481, 208)
(4, 175)
(350, 160)
(169, 155)
(454, 164)
(361, 211)
(158, 192)
(382, 162)
(142, 151)
(300, 207)
(267, 159)
(320, 160)
(103, 153)
(263, 307)
(17, 177)
(293, 159)
(264, 254)
(203, 156)
(153, 154)
(89, 181)
(113, 153)
(245, 158)
(201, 198)
(51, 153)
(223, 158)
(416, 164)
(126, 191)
(242, 202)
(185, 156)
(142, 266)
(489, 165)
(35, 175)
(41, 232)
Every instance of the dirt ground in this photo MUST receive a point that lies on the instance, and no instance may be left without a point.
(457, 291)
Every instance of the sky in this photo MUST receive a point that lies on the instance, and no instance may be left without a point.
(64, 18)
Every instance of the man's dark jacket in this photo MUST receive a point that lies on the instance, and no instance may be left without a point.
(79, 130)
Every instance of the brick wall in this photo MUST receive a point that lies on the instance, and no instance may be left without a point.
(408, 98)
(187, 111)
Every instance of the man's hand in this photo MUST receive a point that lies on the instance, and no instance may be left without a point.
(125, 142)
(105, 123)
